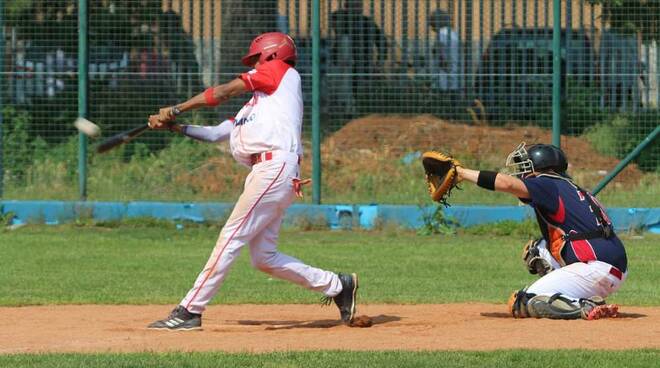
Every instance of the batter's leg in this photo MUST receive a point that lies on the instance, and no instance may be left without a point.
(266, 257)
(253, 212)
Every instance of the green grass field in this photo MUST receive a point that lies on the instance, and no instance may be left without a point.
(335, 359)
(157, 264)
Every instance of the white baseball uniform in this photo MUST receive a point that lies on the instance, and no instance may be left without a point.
(266, 135)
(578, 280)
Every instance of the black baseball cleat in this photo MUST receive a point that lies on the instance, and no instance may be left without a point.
(346, 299)
(179, 319)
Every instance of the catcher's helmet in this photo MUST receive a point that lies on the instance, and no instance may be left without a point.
(271, 46)
(537, 157)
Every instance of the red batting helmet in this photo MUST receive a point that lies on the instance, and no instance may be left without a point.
(269, 46)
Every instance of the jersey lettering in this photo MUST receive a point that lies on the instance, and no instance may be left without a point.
(602, 209)
(243, 121)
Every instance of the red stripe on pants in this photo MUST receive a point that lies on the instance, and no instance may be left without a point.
(217, 259)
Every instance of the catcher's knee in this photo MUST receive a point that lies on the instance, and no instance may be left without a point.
(534, 263)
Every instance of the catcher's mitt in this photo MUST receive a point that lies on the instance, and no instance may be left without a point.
(441, 175)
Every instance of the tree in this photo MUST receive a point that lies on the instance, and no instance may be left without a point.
(633, 16)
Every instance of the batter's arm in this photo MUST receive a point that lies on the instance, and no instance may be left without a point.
(503, 183)
(221, 93)
(214, 134)
(218, 94)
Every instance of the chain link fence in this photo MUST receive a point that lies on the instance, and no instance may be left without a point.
(398, 77)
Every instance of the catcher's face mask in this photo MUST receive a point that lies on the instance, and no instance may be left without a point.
(518, 162)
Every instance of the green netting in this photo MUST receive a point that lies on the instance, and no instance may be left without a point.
(472, 77)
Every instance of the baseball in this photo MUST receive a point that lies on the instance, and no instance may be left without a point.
(87, 127)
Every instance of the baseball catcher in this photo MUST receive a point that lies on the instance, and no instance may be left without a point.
(579, 258)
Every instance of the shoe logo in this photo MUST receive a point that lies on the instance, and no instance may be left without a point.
(174, 322)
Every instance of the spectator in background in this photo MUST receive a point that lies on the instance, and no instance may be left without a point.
(359, 47)
(66, 48)
(107, 35)
(180, 48)
(150, 82)
(445, 53)
(66, 27)
(39, 30)
(620, 70)
(146, 56)
(367, 43)
(145, 12)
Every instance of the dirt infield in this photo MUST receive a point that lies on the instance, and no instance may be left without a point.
(263, 328)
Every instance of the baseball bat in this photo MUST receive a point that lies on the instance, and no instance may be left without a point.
(121, 138)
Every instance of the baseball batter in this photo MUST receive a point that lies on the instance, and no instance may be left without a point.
(580, 259)
(266, 136)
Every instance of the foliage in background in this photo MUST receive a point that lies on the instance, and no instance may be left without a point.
(6, 220)
(525, 229)
(186, 170)
(619, 135)
(40, 149)
(18, 146)
(582, 108)
(633, 16)
(435, 222)
(15, 7)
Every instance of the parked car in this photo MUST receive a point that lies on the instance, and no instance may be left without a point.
(514, 76)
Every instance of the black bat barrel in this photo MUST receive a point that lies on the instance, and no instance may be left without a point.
(120, 138)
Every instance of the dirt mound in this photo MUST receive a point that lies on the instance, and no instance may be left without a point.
(378, 142)
(483, 145)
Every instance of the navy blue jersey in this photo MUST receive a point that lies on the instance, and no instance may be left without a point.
(562, 209)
